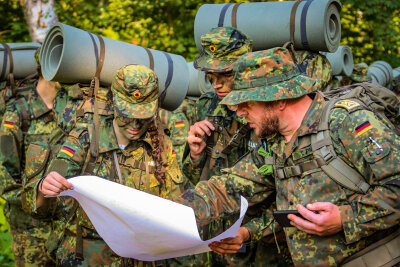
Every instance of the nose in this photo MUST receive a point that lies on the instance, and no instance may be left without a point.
(217, 83)
(136, 124)
(241, 111)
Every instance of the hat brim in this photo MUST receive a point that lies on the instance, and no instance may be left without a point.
(137, 110)
(292, 88)
(205, 63)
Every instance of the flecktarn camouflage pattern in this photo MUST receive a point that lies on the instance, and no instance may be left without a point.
(222, 46)
(267, 75)
(135, 92)
(360, 73)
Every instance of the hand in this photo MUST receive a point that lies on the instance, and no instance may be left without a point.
(327, 222)
(232, 244)
(196, 134)
(54, 184)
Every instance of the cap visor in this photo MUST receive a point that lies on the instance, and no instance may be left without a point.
(137, 111)
(293, 88)
(205, 63)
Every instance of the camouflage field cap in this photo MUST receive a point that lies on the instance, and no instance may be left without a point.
(135, 92)
(360, 73)
(267, 75)
(222, 46)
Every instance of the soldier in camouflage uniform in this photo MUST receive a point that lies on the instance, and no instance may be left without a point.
(27, 120)
(132, 151)
(282, 106)
(221, 48)
(359, 75)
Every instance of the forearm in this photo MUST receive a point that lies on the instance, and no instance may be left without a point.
(192, 168)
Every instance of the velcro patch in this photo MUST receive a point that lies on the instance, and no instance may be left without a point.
(69, 151)
(350, 105)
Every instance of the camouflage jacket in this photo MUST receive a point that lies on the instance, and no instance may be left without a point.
(73, 159)
(227, 124)
(366, 218)
(16, 137)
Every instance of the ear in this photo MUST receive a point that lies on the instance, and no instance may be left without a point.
(282, 104)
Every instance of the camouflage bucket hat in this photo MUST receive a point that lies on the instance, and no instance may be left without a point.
(360, 73)
(135, 92)
(221, 48)
(267, 75)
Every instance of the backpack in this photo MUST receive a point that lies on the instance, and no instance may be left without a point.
(373, 97)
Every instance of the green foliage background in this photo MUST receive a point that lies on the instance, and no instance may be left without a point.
(6, 256)
(371, 28)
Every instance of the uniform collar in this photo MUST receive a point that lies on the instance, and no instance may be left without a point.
(38, 107)
(309, 125)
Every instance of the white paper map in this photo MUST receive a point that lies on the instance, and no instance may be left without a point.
(139, 225)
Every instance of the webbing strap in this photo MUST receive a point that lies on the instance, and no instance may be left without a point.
(386, 250)
(293, 20)
(11, 74)
(5, 57)
(94, 144)
(222, 15)
(96, 50)
(235, 140)
(234, 15)
(303, 26)
(169, 78)
(297, 170)
(117, 167)
(151, 58)
(25, 115)
(383, 71)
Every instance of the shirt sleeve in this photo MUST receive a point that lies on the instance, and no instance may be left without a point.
(369, 145)
(220, 196)
(11, 157)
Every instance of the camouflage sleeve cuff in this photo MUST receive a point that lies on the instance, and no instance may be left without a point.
(44, 210)
(349, 224)
(192, 168)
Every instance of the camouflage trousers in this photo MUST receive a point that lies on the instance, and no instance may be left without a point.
(29, 250)
(95, 253)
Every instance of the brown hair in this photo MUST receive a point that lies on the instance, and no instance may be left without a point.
(157, 139)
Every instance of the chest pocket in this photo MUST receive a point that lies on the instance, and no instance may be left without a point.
(37, 156)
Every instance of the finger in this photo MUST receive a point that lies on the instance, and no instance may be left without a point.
(62, 180)
(195, 140)
(304, 229)
(207, 124)
(320, 206)
(202, 129)
(224, 249)
(301, 224)
(50, 190)
(308, 214)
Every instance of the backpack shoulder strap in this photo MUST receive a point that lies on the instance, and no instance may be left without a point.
(330, 163)
(24, 112)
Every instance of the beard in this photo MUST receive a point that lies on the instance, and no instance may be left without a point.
(269, 124)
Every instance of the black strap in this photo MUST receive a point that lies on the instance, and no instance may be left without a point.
(293, 21)
(222, 15)
(235, 140)
(234, 15)
(96, 50)
(303, 26)
(151, 58)
(25, 115)
(3, 71)
(169, 77)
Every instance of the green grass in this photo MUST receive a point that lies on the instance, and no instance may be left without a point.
(6, 255)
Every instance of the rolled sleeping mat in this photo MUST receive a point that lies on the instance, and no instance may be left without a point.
(198, 82)
(381, 73)
(396, 74)
(71, 55)
(316, 23)
(23, 61)
(341, 61)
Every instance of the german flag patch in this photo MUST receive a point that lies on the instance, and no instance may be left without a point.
(8, 124)
(363, 128)
(179, 124)
(173, 154)
(69, 151)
